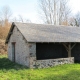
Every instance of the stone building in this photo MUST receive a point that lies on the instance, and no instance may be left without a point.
(39, 45)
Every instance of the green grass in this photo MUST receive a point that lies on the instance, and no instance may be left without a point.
(13, 71)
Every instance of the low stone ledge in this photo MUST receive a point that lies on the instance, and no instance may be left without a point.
(50, 62)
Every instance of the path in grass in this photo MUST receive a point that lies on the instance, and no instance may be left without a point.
(12, 71)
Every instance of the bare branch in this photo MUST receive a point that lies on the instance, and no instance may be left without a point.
(6, 13)
(20, 18)
(55, 11)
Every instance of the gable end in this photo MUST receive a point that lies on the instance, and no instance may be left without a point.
(10, 33)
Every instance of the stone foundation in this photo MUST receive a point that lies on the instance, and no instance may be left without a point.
(50, 62)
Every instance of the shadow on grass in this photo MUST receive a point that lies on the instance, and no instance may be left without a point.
(5, 63)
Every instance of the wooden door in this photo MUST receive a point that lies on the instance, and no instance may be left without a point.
(13, 51)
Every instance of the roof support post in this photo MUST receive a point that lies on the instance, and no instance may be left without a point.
(69, 50)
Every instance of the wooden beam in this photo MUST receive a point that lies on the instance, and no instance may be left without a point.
(65, 46)
(68, 48)
(73, 46)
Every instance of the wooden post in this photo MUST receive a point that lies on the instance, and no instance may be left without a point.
(69, 50)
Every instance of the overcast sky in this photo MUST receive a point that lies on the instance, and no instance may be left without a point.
(29, 8)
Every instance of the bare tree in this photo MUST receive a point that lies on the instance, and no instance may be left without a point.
(47, 10)
(77, 19)
(28, 21)
(21, 18)
(6, 13)
(54, 11)
(64, 11)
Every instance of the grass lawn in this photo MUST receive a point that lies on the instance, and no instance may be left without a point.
(13, 71)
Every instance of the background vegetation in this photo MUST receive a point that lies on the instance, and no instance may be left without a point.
(4, 29)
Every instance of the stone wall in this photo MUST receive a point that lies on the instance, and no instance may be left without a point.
(34, 63)
(21, 48)
(32, 49)
(49, 62)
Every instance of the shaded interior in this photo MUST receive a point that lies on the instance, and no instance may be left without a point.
(56, 50)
